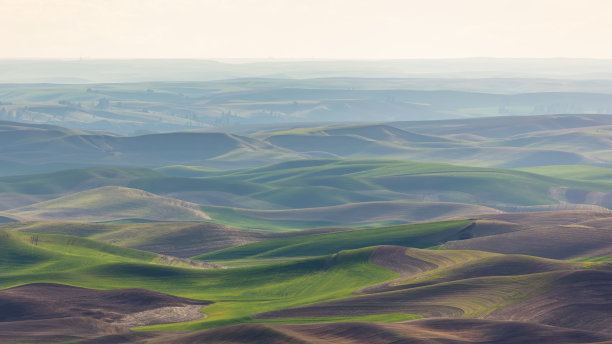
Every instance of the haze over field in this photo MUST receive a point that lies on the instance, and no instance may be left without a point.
(263, 171)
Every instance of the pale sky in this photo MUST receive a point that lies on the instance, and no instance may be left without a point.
(332, 29)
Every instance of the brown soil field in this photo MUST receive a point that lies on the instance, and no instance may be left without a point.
(580, 299)
(46, 312)
(560, 242)
(472, 284)
(550, 218)
(549, 234)
(427, 331)
(435, 267)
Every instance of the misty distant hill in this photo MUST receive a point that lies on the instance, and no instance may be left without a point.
(490, 142)
(146, 107)
(135, 70)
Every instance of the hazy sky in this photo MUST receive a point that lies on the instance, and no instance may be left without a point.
(305, 28)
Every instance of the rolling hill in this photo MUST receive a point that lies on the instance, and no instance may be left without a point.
(497, 287)
(574, 172)
(491, 276)
(111, 203)
(17, 191)
(299, 194)
(578, 235)
(554, 234)
(417, 235)
(322, 192)
(485, 142)
(31, 147)
(363, 214)
(45, 312)
(431, 331)
(305, 280)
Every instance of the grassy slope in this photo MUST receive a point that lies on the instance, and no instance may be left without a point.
(69, 180)
(233, 217)
(254, 289)
(305, 183)
(180, 239)
(17, 191)
(364, 214)
(112, 203)
(490, 265)
(419, 235)
(574, 172)
(58, 253)
(82, 262)
(309, 272)
(310, 183)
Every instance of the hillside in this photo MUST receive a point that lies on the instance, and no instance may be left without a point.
(497, 287)
(364, 214)
(311, 183)
(18, 191)
(479, 230)
(305, 280)
(234, 96)
(574, 172)
(417, 235)
(32, 147)
(433, 331)
(66, 311)
(311, 193)
(110, 204)
(582, 235)
(555, 234)
(485, 142)
(332, 182)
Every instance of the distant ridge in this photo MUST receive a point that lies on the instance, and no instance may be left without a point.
(503, 142)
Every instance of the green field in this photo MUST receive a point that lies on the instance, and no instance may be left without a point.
(81, 262)
(574, 172)
(292, 205)
(302, 194)
(111, 203)
(310, 277)
(309, 273)
(419, 235)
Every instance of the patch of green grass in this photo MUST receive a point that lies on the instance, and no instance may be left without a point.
(417, 235)
(238, 292)
(277, 276)
(29, 253)
(251, 290)
(574, 172)
(310, 183)
(593, 259)
(324, 182)
(392, 317)
(232, 217)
